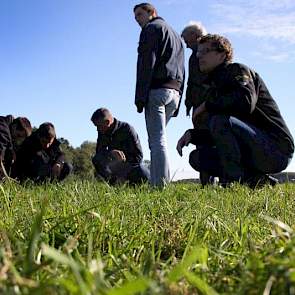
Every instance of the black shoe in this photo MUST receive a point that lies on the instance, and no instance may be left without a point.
(259, 181)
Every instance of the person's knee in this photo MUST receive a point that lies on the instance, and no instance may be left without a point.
(218, 123)
(66, 171)
(99, 160)
(68, 168)
(194, 160)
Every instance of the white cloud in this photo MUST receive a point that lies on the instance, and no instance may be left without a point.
(268, 19)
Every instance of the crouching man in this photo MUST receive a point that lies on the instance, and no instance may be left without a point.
(12, 133)
(118, 155)
(250, 137)
(40, 157)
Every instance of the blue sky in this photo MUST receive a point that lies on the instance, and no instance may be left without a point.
(62, 59)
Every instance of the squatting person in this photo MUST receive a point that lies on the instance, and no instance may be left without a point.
(251, 138)
(40, 157)
(118, 155)
(13, 131)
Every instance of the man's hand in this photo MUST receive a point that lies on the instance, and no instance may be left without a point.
(56, 170)
(183, 141)
(118, 155)
(198, 111)
(140, 107)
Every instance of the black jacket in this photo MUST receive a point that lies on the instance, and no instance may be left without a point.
(31, 149)
(7, 151)
(195, 92)
(238, 91)
(5, 135)
(121, 137)
(160, 62)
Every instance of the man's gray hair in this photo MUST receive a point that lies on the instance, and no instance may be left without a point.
(194, 26)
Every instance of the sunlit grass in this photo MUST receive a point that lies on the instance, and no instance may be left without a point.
(83, 237)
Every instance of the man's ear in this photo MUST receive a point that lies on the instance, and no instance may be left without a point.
(152, 13)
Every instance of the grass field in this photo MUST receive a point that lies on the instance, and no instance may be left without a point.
(83, 237)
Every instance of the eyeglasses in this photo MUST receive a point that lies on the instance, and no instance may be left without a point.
(205, 51)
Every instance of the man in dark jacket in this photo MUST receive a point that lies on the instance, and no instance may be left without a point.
(40, 157)
(159, 84)
(191, 35)
(250, 136)
(118, 151)
(197, 91)
(12, 133)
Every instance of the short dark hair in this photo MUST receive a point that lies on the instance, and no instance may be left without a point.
(101, 114)
(22, 123)
(145, 6)
(220, 43)
(46, 130)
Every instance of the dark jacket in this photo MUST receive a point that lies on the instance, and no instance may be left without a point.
(195, 92)
(32, 149)
(121, 137)
(160, 62)
(7, 152)
(240, 92)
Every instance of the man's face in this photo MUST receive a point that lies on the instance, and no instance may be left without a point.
(18, 136)
(142, 16)
(46, 142)
(102, 126)
(191, 39)
(209, 57)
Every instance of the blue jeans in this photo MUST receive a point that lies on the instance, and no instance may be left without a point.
(160, 108)
(241, 151)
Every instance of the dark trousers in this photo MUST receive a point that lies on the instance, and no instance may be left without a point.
(241, 151)
(114, 171)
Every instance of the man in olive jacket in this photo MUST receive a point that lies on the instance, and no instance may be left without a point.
(250, 137)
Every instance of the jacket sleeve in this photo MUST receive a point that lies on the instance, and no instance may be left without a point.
(58, 154)
(134, 154)
(5, 139)
(100, 146)
(147, 52)
(236, 95)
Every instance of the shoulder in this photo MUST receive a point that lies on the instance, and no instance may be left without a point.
(126, 127)
(240, 72)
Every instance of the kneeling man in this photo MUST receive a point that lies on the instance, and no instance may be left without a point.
(118, 155)
(250, 137)
(13, 131)
(40, 157)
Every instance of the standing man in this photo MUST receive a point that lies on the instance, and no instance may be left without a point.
(250, 135)
(118, 155)
(159, 84)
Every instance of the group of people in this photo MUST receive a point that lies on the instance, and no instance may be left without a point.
(27, 154)
(238, 130)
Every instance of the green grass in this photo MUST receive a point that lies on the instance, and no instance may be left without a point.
(83, 237)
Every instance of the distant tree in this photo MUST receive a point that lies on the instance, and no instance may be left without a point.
(67, 149)
(82, 164)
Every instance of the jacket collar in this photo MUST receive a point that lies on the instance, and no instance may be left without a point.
(114, 127)
(153, 19)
